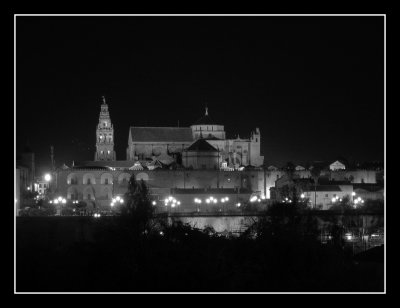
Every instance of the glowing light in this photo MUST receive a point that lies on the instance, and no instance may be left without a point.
(121, 200)
(226, 199)
(302, 196)
(238, 204)
(173, 205)
(349, 236)
(170, 198)
(215, 201)
(179, 203)
(47, 177)
(59, 199)
(118, 198)
(28, 188)
(333, 200)
(353, 193)
(161, 233)
(56, 201)
(64, 201)
(263, 197)
(154, 203)
(50, 201)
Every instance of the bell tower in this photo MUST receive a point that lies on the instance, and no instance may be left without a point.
(104, 135)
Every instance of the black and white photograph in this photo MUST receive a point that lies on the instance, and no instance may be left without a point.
(199, 153)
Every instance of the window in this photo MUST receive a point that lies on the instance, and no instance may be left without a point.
(88, 181)
(106, 181)
(326, 195)
(334, 195)
(89, 196)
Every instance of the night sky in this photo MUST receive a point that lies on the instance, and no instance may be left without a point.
(313, 85)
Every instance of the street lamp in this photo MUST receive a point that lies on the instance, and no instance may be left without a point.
(116, 200)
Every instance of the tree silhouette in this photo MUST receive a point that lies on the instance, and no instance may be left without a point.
(137, 208)
(315, 174)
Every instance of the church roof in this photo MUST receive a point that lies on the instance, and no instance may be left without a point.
(104, 163)
(201, 145)
(161, 134)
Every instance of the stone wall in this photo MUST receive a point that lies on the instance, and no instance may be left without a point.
(161, 181)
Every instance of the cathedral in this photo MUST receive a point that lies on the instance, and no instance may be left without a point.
(187, 163)
(203, 145)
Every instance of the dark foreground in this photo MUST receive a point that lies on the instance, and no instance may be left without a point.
(56, 254)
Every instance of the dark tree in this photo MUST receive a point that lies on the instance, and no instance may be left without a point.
(138, 208)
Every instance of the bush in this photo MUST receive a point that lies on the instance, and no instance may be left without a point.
(372, 206)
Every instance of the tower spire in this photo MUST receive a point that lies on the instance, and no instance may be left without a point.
(206, 110)
(104, 135)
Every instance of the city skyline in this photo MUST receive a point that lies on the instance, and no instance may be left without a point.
(314, 85)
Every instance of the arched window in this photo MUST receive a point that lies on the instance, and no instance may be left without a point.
(106, 178)
(72, 193)
(142, 176)
(72, 179)
(123, 178)
(88, 179)
(88, 194)
(107, 193)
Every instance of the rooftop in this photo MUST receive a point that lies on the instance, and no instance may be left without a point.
(161, 134)
(201, 145)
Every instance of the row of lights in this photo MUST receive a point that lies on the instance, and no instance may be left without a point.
(334, 199)
(287, 200)
(171, 200)
(115, 200)
(358, 200)
(58, 200)
(211, 199)
(256, 198)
